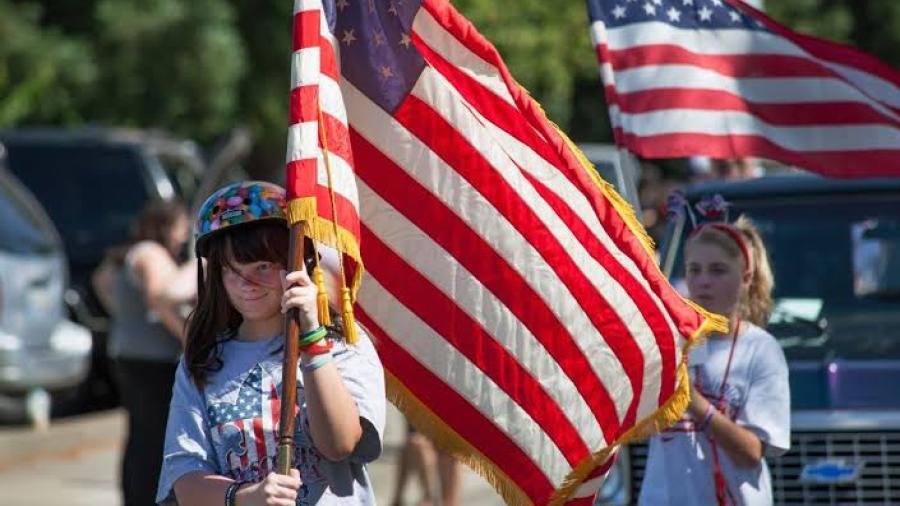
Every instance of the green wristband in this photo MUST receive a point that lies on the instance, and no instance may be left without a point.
(313, 336)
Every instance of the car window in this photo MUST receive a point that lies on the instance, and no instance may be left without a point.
(23, 230)
(92, 193)
(819, 311)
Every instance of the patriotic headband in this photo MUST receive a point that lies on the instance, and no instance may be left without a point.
(712, 212)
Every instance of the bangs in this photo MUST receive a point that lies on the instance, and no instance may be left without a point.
(716, 238)
(266, 241)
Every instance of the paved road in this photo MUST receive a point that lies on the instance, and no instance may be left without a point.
(75, 463)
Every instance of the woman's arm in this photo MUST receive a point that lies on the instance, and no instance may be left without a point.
(742, 445)
(204, 489)
(157, 271)
(332, 414)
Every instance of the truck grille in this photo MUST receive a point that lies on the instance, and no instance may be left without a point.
(878, 481)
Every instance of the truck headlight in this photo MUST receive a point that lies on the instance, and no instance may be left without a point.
(69, 337)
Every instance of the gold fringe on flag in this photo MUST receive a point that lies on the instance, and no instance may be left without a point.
(323, 231)
(663, 417)
(448, 440)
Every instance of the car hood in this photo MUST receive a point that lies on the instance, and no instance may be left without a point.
(845, 384)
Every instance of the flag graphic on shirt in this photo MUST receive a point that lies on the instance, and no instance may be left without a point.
(246, 428)
(722, 79)
(513, 296)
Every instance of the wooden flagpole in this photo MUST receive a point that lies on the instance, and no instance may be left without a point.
(289, 366)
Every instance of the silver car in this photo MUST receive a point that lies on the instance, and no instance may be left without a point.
(41, 351)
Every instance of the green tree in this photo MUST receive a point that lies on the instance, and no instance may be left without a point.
(265, 88)
(198, 67)
(173, 64)
(168, 63)
(44, 75)
(870, 25)
(545, 45)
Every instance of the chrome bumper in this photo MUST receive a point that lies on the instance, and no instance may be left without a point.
(62, 362)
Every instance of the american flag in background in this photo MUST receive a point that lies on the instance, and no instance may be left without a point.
(514, 299)
(246, 428)
(719, 78)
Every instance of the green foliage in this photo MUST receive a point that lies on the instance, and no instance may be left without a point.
(545, 45)
(264, 89)
(199, 67)
(870, 25)
(168, 63)
(44, 75)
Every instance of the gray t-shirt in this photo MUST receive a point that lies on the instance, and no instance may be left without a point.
(137, 332)
(231, 427)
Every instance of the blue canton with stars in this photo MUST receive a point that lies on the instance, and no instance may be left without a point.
(377, 53)
(696, 14)
(247, 405)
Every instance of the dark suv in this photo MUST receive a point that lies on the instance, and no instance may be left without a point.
(835, 250)
(93, 183)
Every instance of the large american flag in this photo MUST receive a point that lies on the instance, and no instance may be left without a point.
(514, 298)
(719, 78)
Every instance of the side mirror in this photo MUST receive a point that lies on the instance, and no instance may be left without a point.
(876, 258)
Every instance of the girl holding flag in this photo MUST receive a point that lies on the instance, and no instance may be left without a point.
(221, 437)
(739, 411)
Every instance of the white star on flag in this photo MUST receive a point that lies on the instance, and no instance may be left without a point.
(687, 2)
(649, 9)
(619, 12)
(674, 14)
(705, 14)
(735, 16)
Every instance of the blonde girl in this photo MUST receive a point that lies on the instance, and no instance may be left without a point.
(739, 411)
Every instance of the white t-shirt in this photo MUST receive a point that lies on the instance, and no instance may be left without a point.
(680, 468)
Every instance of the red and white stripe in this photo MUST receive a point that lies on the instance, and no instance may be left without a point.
(676, 92)
(315, 94)
(504, 290)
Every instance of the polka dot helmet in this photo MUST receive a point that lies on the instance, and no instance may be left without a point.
(237, 204)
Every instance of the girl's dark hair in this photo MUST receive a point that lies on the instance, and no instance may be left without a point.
(215, 319)
(153, 224)
(157, 219)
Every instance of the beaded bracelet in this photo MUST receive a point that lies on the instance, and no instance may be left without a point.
(317, 362)
(313, 336)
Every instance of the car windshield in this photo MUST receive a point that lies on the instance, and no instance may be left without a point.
(23, 229)
(818, 313)
(91, 192)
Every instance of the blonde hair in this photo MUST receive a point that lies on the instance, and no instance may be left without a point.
(755, 303)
